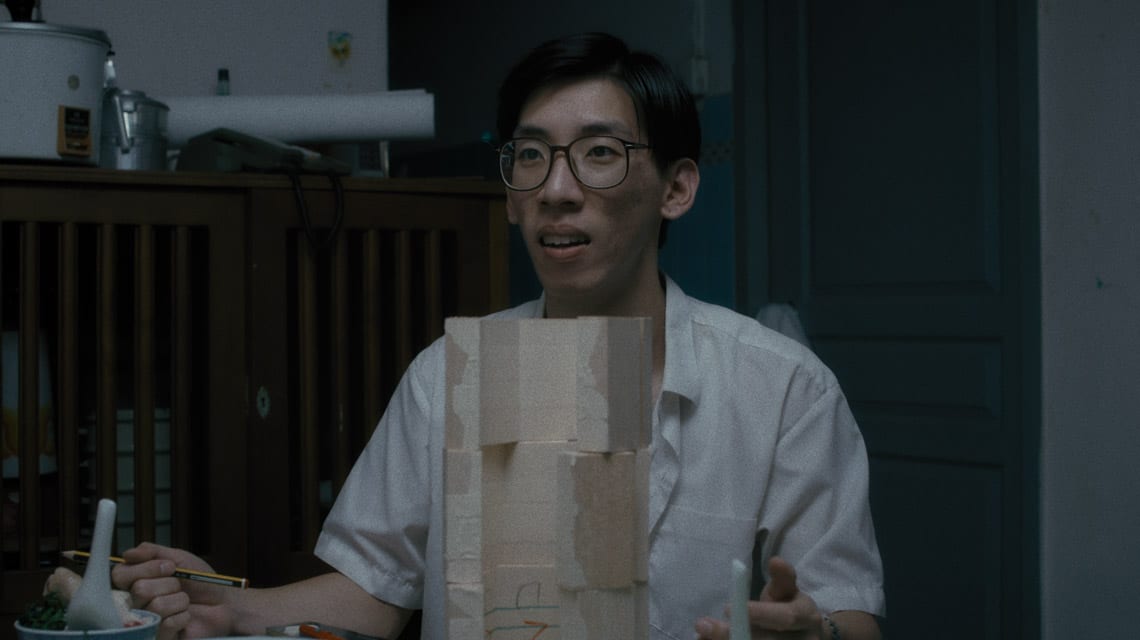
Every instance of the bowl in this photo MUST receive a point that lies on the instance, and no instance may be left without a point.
(145, 631)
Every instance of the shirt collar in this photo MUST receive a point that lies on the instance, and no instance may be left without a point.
(682, 375)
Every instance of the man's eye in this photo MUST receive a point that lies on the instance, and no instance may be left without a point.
(601, 152)
(529, 154)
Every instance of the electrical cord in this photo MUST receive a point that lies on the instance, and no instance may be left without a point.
(319, 245)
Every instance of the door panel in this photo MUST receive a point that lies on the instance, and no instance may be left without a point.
(901, 108)
(900, 225)
(943, 513)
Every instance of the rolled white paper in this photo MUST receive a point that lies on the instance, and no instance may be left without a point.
(389, 115)
(738, 614)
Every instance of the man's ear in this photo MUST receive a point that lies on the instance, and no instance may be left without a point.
(681, 184)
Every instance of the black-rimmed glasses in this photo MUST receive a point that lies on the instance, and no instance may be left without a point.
(598, 162)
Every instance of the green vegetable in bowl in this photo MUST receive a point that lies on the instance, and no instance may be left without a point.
(45, 613)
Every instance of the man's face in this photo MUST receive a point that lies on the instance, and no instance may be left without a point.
(594, 244)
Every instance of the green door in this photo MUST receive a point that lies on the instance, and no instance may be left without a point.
(889, 179)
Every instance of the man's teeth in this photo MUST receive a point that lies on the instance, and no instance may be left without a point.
(562, 241)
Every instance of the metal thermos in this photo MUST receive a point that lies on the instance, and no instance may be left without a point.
(134, 131)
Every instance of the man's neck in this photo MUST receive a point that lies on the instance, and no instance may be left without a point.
(646, 302)
(643, 297)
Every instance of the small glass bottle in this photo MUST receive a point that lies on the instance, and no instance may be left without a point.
(223, 88)
(110, 80)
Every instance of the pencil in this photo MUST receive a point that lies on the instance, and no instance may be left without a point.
(188, 574)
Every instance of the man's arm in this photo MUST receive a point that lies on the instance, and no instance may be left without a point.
(192, 609)
(331, 599)
(856, 625)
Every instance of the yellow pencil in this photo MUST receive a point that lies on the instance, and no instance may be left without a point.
(188, 574)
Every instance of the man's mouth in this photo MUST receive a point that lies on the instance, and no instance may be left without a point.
(563, 241)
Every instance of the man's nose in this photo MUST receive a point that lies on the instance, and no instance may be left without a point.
(561, 185)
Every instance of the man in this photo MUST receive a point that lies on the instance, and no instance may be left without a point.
(753, 443)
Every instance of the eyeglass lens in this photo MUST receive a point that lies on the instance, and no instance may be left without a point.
(598, 162)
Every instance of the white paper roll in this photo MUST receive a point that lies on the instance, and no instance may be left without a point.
(390, 115)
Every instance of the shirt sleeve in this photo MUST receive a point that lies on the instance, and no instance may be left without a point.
(376, 533)
(820, 516)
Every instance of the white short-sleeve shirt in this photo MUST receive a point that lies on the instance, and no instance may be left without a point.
(753, 445)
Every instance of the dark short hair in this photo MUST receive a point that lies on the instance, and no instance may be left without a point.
(665, 107)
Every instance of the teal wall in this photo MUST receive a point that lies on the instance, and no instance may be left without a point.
(700, 252)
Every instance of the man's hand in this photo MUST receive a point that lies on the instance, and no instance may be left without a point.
(783, 611)
(193, 609)
(189, 609)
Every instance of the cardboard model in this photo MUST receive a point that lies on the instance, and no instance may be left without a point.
(546, 476)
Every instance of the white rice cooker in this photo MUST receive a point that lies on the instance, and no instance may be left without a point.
(51, 92)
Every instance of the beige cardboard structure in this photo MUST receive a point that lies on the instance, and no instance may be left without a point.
(546, 475)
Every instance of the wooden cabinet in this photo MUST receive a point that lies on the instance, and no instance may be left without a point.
(217, 348)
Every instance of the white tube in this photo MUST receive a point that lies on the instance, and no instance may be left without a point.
(391, 115)
(738, 613)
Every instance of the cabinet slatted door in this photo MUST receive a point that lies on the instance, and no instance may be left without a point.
(340, 319)
(193, 347)
(110, 305)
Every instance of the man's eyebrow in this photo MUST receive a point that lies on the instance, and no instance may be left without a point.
(530, 132)
(592, 129)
